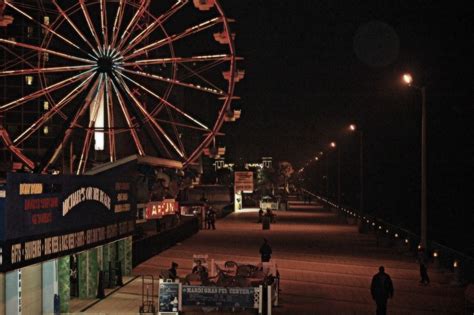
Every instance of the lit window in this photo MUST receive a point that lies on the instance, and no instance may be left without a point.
(45, 130)
(29, 80)
(45, 105)
(46, 56)
(46, 20)
(29, 31)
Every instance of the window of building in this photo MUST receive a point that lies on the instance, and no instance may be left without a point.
(45, 130)
(29, 80)
(45, 105)
(29, 31)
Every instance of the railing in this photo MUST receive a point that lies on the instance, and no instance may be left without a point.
(148, 247)
(450, 259)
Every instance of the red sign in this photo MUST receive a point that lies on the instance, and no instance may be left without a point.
(157, 209)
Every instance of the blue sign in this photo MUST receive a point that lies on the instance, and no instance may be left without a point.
(232, 297)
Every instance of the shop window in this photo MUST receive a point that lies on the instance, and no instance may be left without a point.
(29, 80)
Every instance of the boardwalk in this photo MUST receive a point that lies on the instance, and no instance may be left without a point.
(325, 266)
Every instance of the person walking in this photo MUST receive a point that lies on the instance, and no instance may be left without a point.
(265, 251)
(381, 289)
(212, 219)
(172, 272)
(260, 215)
(423, 261)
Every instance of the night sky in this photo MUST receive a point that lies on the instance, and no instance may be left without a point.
(313, 67)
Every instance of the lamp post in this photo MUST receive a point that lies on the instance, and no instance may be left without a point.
(408, 79)
(333, 145)
(353, 128)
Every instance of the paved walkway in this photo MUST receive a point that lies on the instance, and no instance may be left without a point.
(325, 265)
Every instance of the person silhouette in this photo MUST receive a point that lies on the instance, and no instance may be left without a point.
(381, 289)
(265, 251)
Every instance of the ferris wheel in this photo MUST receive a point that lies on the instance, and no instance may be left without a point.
(103, 79)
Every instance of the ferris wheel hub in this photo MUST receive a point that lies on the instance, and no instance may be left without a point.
(105, 65)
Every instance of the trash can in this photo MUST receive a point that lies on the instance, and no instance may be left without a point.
(266, 223)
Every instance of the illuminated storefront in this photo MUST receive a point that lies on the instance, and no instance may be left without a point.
(56, 234)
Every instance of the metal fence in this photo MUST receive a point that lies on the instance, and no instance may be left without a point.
(445, 257)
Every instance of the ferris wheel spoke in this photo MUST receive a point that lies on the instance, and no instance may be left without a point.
(49, 114)
(9, 144)
(110, 118)
(167, 103)
(128, 120)
(197, 73)
(89, 23)
(103, 22)
(170, 39)
(44, 91)
(71, 124)
(45, 50)
(117, 22)
(180, 60)
(188, 126)
(148, 116)
(90, 130)
(44, 70)
(153, 26)
(176, 82)
(133, 22)
(73, 25)
(44, 26)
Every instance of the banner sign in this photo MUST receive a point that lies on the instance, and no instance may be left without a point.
(243, 181)
(48, 216)
(169, 297)
(220, 296)
(157, 209)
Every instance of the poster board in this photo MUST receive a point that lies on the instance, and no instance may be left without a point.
(169, 297)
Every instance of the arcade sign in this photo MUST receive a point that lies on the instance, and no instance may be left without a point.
(158, 209)
(243, 182)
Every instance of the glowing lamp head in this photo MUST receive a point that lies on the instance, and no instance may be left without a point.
(332, 144)
(435, 254)
(406, 241)
(455, 264)
(316, 158)
(407, 79)
(352, 127)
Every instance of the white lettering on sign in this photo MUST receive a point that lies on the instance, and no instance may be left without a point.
(122, 197)
(122, 208)
(32, 249)
(31, 189)
(85, 194)
(16, 253)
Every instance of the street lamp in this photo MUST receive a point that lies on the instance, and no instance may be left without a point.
(333, 145)
(408, 80)
(353, 128)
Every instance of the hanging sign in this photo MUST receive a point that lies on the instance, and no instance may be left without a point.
(158, 209)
